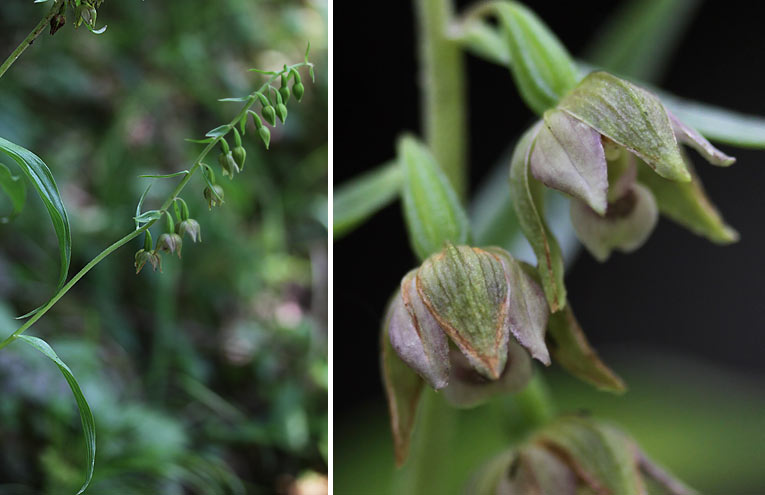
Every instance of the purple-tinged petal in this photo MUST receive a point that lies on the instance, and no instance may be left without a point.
(465, 289)
(659, 475)
(402, 388)
(468, 388)
(527, 307)
(627, 224)
(416, 336)
(688, 135)
(540, 472)
(568, 156)
(630, 116)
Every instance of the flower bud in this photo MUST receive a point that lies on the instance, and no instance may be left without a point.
(239, 154)
(190, 227)
(213, 196)
(281, 110)
(265, 135)
(170, 243)
(284, 90)
(269, 114)
(298, 90)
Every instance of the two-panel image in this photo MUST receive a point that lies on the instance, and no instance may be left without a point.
(435, 247)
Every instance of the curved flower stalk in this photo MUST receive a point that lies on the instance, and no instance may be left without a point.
(576, 455)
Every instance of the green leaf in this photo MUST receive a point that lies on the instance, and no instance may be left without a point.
(88, 423)
(718, 124)
(358, 199)
(239, 99)
(542, 68)
(148, 216)
(631, 117)
(403, 388)
(164, 176)
(432, 210)
(218, 131)
(200, 141)
(687, 204)
(40, 176)
(571, 350)
(638, 40)
(139, 205)
(15, 188)
(528, 197)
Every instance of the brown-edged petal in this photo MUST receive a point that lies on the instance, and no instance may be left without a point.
(688, 135)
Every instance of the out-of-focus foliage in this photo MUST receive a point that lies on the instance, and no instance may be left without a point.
(212, 376)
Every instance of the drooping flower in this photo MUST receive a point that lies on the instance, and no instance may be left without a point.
(594, 146)
(575, 455)
(486, 305)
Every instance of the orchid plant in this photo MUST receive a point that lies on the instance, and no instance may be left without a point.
(471, 319)
(266, 103)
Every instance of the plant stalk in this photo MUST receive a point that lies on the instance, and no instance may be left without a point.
(442, 89)
(31, 37)
(168, 202)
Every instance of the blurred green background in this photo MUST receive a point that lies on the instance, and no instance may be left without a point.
(211, 377)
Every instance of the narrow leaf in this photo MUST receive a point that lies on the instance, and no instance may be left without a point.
(237, 99)
(542, 68)
(483, 40)
(86, 416)
(358, 199)
(403, 388)
(148, 216)
(432, 210)
(718, 124)
(218, 131)
(571, 350)
(15, 188)
(139, 205)
(527, 197)
(164, 176)
(40, 176)
(201, 141)
(687, 204)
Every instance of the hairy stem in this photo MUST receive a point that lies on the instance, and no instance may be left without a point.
(442, 86)
(31, 37)
(168, 202)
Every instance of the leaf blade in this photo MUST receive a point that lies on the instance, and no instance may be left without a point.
(358, 199)
(15, 188)
(86, 415)
(41, 177)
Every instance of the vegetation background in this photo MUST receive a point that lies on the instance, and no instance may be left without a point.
(680, 320)
(212, 376)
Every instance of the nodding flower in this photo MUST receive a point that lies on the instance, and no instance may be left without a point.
(599, 146)
(466, 321)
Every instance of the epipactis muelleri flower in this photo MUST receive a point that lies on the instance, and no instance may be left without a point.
(599, 145)
(466, 321)
(576, 455)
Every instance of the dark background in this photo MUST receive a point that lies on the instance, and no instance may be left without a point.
(679, 295)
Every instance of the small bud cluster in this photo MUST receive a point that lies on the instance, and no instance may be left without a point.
(271, 108)
(171, 241)
(83, 11)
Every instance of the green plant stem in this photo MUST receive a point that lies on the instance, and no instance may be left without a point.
(535, 402)
(431, 453)
(31, 37)
(442, 86)
(168, 202)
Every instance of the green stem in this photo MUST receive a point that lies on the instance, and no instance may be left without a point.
(535, 402)
(442, 86)
(31, 37)
(430, 453)
(168, 202)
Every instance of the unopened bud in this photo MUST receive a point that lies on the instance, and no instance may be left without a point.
(298, 90)
(281, 109)
(265, 135)
(239, 154)
(190, 227)
(170, 243)
(269, 113)
(228, 164)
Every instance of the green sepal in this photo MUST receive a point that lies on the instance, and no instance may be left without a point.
(630, 116)
(403, 388)
(432, 210)
(687, 204)
(527, 195)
